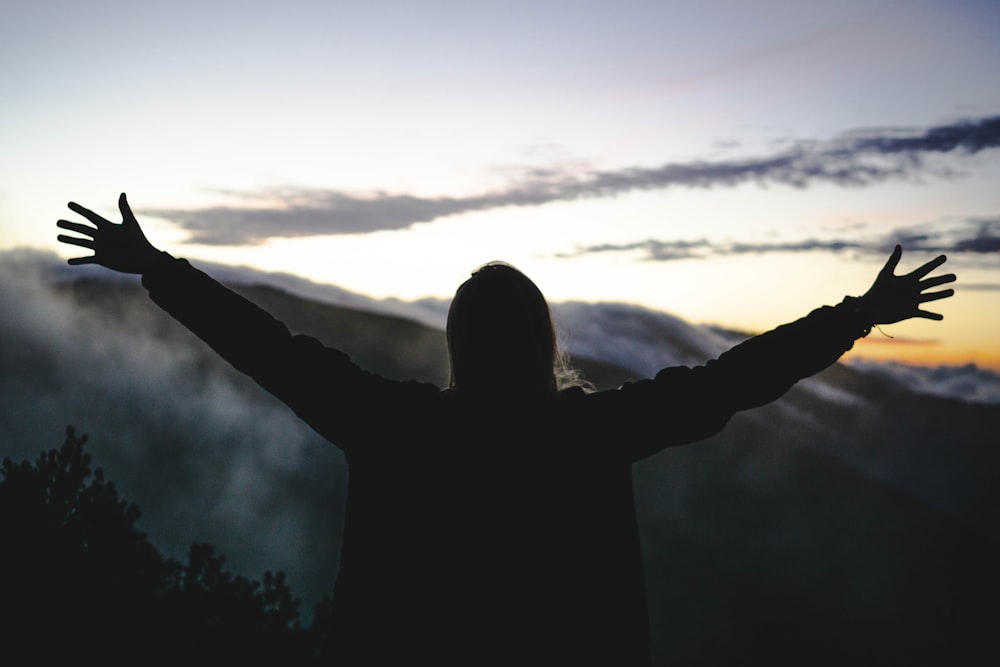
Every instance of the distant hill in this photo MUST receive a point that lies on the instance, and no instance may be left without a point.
(851, 522)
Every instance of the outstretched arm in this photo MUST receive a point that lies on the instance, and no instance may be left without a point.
(246, 336)
(694, 403)
(118, 246)
(766, 366)
(322, 385)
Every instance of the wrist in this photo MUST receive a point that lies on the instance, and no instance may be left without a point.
(860, 313)
(153, 259)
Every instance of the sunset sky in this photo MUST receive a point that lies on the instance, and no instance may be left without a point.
(736, 163)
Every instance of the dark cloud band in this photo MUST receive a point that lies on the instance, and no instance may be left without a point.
(857, 159)
(974, 236)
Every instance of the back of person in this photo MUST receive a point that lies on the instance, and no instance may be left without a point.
(505, 533)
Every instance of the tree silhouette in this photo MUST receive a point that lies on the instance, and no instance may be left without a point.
(80, 578)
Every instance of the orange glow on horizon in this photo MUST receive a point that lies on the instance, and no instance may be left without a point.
(924, 354)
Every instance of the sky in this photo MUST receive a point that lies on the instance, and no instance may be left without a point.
(734, 163)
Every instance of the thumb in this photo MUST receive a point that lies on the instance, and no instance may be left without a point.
(890, 266)
(127, 216)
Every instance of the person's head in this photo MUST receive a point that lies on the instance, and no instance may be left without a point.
(500, 334)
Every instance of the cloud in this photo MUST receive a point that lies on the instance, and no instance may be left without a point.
(296, 213)
(859, 158)
(985, 241)
(657, 250)
(975, 236)
(967, 382)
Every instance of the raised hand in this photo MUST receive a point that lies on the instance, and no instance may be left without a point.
(120, 247)
(895, 298)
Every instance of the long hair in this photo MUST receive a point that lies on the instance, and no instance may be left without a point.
(501, 338)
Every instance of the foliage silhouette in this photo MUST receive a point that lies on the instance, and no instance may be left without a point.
(78, 573)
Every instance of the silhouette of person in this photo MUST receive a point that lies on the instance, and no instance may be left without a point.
(493, 521)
